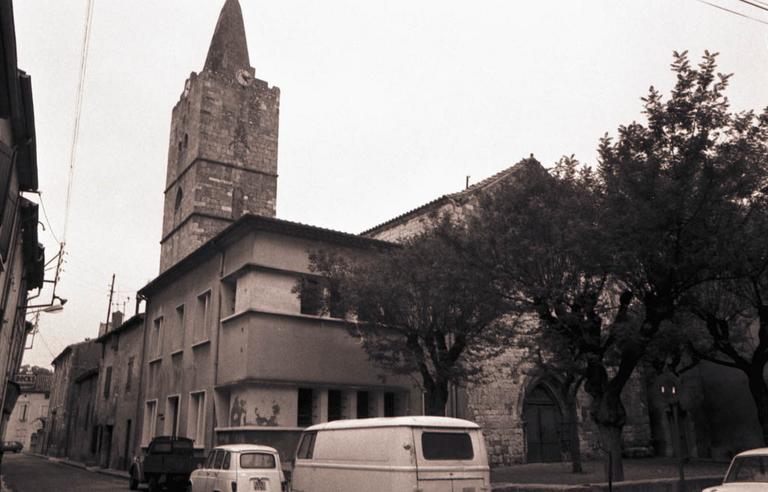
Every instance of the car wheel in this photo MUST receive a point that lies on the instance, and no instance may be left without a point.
(133, 482)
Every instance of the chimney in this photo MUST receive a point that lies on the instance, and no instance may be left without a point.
(117, 319)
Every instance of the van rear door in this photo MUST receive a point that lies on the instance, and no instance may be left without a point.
(450, 460)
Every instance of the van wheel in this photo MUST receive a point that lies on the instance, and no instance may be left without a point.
(133, 482)
(153, 485)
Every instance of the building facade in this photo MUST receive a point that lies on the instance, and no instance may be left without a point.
(117, 395)
(71, 414)
(231, 353)
(21, 256)
(30, 413)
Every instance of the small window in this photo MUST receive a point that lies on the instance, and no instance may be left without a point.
(219, 459)
(107, 381)
(202, 317)
(447, 446)
(389, 404)
(305, 408)
(362, 405)
(334, 405)
(307, 446)
(311, 297)
(257, 460)
(129, 374)
(177, 203)
(227, 460)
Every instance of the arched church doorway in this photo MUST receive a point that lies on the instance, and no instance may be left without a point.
(543, 423)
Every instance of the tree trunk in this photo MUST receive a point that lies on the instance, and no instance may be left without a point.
(435, 398)
(759, 391)
(610, 441)
(576, 466)
(610, 416)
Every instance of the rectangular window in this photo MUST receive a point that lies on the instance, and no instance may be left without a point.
(362, 405)
(389, 404)
(181, 329)
(129, 374)
(156, 342)
(172, 416)
(202, 317)
(334, 405)
(150, 421)
(107, 381)
(335, 305)
(196, 418)
(304, 418)
(228, 298)
(311, 296)
(446, 446)
(23, 413)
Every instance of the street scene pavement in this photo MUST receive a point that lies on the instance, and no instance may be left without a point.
(27, 473)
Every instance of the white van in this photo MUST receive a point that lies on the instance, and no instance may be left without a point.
(397, 454)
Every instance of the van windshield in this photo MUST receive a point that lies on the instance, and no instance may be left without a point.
(447, 446)
(257, 460)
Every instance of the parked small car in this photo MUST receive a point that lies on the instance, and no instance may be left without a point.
(396, 454)
(13, 446)
(244, 467)
(748, 472)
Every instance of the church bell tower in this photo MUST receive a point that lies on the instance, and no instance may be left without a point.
(222, 155)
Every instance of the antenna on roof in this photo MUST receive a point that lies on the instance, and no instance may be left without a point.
(467, 183)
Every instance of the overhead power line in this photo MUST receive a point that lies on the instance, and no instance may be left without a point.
(78, 111)
(758, 5)
(733, 12)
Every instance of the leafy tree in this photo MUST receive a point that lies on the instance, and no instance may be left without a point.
(418, 309)
(732, 312)
(606, 257)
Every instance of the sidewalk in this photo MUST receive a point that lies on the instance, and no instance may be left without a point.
(646, 474)
(64, 461)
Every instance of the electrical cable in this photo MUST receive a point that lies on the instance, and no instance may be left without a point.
(733, 12)
(757, 5)
(78, 112)
(45, 215)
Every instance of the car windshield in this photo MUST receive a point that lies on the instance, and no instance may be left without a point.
(748, 469)
(257, 460)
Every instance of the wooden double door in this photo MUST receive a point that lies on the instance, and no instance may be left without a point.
(543, 427)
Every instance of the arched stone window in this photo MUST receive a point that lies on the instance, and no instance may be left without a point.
(177, 205)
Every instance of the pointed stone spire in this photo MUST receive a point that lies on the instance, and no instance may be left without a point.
(229, 50)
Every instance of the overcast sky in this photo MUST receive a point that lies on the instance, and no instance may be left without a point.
(385, 105)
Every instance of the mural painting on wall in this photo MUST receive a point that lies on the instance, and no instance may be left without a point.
(239, 414)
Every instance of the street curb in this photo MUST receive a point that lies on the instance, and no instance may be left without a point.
(76, 464)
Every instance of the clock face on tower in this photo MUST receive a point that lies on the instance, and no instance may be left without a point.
(244, 77)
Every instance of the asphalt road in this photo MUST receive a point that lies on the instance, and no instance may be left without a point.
(26, 473)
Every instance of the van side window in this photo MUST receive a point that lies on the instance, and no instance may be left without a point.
(209, 461)
(307, 446)
(227, 459)
(446, 446)
(219, 459)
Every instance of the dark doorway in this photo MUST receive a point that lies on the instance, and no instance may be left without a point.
(543, 420)
(108, 445)
(127, 448)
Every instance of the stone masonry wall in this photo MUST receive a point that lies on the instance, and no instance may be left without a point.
(222, 159)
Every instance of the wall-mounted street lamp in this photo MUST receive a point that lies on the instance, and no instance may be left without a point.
(51, 307)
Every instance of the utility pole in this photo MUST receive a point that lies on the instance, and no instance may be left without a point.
(109, 308)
